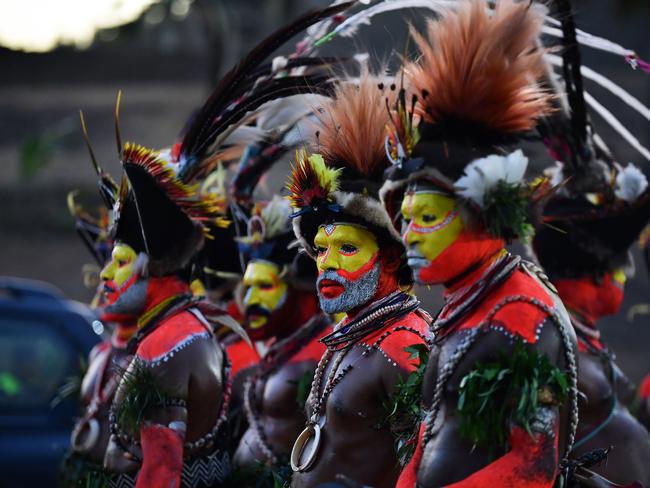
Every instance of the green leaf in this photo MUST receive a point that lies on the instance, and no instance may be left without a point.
(141, 396)
(504, 390)
(403, 410)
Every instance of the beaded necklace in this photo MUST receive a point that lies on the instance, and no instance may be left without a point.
(345, 337)
(389, 309)
(466, 299)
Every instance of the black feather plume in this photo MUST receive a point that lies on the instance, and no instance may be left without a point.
(233, 85)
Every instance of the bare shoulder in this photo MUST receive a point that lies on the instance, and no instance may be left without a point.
(176, 333)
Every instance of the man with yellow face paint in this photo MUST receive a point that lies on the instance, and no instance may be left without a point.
(282, 316)
(91, 432)
(457, 195)
(170, 404)
(358, 431)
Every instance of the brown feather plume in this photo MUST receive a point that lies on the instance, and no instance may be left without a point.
(353, 128)
(482, 68)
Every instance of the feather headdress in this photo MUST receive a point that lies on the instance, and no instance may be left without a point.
(339, 182)
(93, 230)
(481, 67)
(270, 238)
(473, 91)
(160, 210)
(600, 209)
(353, 129)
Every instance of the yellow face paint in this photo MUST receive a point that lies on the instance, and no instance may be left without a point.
(432, 224)
(197, 288)
(265, 292)
(344, 247)
(121, 267)
(619, 277)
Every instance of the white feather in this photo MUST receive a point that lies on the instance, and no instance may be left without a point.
(276, 216)
(630, 183)
(606, 83)
(281, 114)
(244, 135)
(484, 174)
(555, 174)
(616, 125)
(589, 40)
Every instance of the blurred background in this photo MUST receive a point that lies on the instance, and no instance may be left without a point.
(59, 57)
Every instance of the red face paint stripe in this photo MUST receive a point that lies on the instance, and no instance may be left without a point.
(355, 275)
(427, 229)
(117, 291)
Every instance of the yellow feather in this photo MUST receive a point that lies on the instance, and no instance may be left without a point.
(327, 177)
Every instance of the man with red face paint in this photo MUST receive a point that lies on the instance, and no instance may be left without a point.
(168, 411)
(584, 250)
(356, 429)
(91, 432)
(500, 384)
(282, 314)
(590, 223)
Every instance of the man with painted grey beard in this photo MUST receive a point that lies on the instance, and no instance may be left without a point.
(361, 272)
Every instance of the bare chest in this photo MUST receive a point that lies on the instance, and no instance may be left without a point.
(282, 392)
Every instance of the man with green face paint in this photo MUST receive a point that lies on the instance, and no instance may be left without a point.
(283, 319)
(361, 416)
(500, 385)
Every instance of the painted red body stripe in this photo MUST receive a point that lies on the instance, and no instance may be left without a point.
(171, 332)
(162, 454)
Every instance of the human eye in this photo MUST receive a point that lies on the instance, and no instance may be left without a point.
(428, 218)
(320, 250)
(266, 286)
(348, 249)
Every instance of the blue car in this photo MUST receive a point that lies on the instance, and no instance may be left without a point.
(44, 341)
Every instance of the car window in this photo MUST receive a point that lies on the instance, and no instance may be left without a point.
(35, 360)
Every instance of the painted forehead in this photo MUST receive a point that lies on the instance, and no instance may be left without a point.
(262, 264)
(426, 200)
(344, 230)
(122, 249)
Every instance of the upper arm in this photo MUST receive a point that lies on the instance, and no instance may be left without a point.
(401, 352)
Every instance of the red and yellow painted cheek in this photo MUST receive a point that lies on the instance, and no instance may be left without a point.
(121, 268)
(345, 247)
(264, 288)
(433, 222)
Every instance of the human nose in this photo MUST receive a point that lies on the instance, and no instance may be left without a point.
(252, 297)
(411, 239)
(108, 273)
(328, 261)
